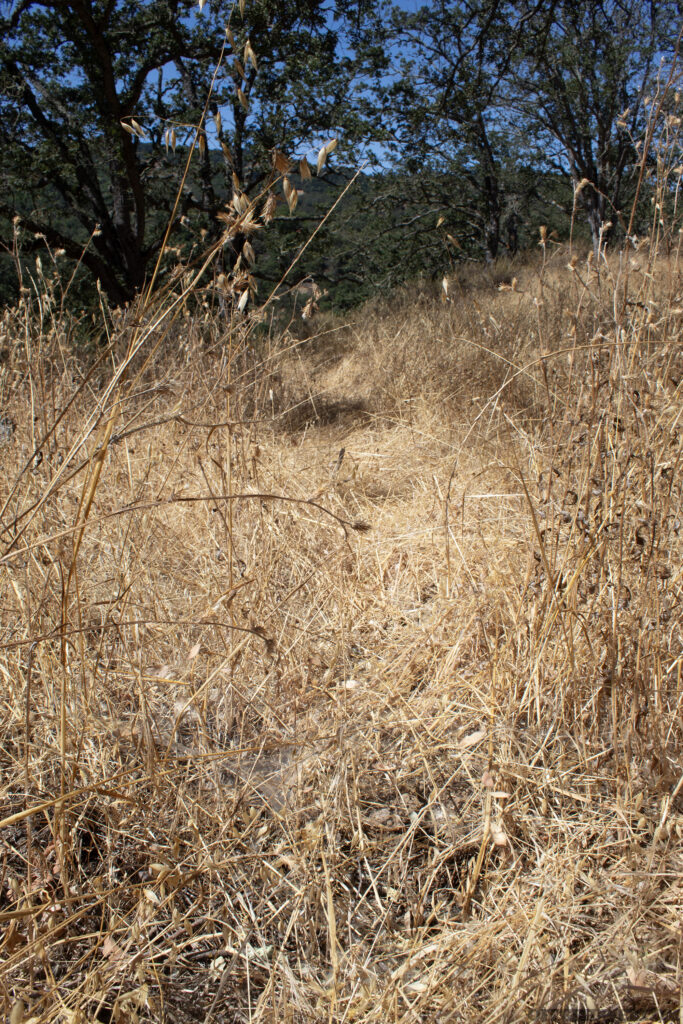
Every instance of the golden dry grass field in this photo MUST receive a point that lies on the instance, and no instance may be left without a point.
(341, 678)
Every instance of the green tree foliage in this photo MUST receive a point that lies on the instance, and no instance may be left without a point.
(446, 107)
(378, 236)
(488, 118)
(580, 83)
(495, 102)
(99, 98)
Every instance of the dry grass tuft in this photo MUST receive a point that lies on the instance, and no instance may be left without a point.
(342, 680)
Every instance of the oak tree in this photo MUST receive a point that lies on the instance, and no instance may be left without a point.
(99, 98)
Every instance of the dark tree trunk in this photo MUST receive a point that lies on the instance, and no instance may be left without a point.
(512, 232)
(491, 193)
(595, 206)
(492, 218)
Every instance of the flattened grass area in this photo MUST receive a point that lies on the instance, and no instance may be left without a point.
(341, 678)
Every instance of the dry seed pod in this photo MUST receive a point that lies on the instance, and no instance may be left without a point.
(247, 222)
(304, 170)
(249, 55)
(138, 129)
(269, 208)
(291, 194)
(240, 203)
(324, 153)
(281, 163)
(244, 103)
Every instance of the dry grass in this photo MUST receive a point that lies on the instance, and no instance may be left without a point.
(262, 764)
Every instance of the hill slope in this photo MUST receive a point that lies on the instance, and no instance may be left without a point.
(342, 678)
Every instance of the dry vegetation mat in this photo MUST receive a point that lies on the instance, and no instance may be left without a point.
(341, 679)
